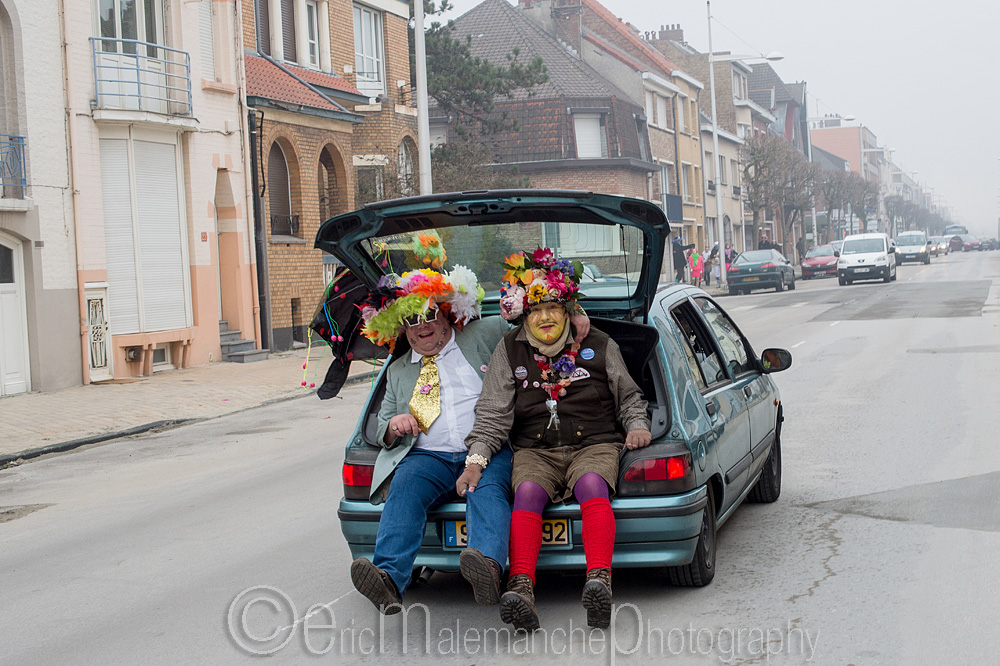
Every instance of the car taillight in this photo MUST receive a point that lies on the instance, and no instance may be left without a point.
(357, 481)
(768, 265)
(733, 269)
(657, 476)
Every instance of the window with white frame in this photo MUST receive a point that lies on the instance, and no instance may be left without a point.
(368, 51)
(723, 180)
(591, 137)
(684, 182)
(661, 112)
(735, 171)
(739, 85)
(665, 179)
(651, 108)
(312, 32)
(680, 114)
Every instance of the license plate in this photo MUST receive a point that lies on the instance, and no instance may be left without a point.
(555, 532)
(861, 270)
(751, 279)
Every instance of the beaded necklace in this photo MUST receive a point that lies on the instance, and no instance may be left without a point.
(562, 369)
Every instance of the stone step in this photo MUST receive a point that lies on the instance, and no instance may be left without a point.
(229, 336)
(230, 348)
(223, 326)
(250, 356)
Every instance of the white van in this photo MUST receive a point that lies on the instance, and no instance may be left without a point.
(867, 257)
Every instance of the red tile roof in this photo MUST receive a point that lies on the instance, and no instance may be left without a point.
(265, 79)
(616, 23)
(325, 80)
(616, 53)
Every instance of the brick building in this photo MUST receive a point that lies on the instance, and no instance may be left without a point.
(328, 83)
(578, 130)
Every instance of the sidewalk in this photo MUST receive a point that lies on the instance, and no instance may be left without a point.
(36, 423)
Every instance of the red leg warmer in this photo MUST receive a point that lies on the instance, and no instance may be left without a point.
(598, 533)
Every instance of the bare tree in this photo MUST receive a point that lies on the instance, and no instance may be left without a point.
(834, 187)
(800, 183)
(763, 159)
(863, 198)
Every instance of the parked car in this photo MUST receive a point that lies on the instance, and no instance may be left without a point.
(820, 260)
(990, 244)
(912, 246)
(867, 257)
(760, 269)
(939, 245)
(716, 412)
(955, 244)
(591, 273)
(970, 243)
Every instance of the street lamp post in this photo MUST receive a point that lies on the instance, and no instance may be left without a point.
(720, 229)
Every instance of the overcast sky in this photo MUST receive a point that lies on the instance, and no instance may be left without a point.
(922, 76)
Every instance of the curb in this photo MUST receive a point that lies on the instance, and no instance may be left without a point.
(62, 447)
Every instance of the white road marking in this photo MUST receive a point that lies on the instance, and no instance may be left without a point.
(797, 305)
(834, 323)
(799, 344)
(743, 307)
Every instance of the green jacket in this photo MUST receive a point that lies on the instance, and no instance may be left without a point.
(476, 340)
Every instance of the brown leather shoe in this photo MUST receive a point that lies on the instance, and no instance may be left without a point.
(597, 598)
(481, 573)
(517, 605)
(376, 585)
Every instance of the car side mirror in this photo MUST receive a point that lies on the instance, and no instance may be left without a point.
(775, 360)
(836, 254)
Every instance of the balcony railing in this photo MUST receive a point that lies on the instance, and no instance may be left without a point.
(141, 76)
(737, 192)
(284, 225)
(12, 173)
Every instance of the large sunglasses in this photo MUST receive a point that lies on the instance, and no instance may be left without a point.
(420, 319)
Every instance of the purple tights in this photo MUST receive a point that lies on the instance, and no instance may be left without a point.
(530, 496)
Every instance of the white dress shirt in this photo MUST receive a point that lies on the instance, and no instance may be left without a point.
(460, 389)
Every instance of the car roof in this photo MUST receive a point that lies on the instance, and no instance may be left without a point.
(868, 235)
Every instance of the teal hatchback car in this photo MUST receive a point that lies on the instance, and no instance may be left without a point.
(715, 410)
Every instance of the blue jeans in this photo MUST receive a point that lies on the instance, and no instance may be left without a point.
(426, 479)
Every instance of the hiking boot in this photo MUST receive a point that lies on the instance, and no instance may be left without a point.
(376, 585)
(483, 574)
(597, 598)
(517, 605)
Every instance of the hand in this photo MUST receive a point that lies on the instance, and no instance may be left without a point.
(469, 479)
(637, 439)
(399, 425)
(581, 323)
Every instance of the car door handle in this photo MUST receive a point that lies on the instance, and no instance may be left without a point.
(747, 391)
(711, 408)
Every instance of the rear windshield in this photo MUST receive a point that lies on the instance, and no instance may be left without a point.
(754, 257)
(863, 245)
(611, 254)
(911, 239)
(821, 251)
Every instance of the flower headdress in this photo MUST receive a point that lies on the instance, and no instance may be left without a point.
(457, 294)
(536, 279)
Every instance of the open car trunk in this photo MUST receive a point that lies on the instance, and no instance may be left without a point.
(638, 344)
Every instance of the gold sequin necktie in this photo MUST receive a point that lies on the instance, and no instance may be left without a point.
(425, 403)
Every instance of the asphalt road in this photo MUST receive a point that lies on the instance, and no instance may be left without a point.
(881, 550)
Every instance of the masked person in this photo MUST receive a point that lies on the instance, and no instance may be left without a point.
(568, 408)
(427, 411)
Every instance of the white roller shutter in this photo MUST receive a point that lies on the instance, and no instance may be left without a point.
(590, 139)
(119, 240)
(163, 288)
(207, 39)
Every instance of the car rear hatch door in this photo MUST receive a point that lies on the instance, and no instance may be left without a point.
(623, 237)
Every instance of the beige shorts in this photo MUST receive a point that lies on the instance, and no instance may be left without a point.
(558, 469)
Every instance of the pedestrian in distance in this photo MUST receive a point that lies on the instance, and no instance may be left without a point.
(680, 258)
(715, 261)
(695, 262)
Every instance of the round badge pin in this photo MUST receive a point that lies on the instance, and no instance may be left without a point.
(525, 384)
(482, 368)
(535, 384)
(521, 372)
(586, 353)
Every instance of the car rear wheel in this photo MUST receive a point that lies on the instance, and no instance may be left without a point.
(843, 281)
(781, 284)
(768, 486)
(701, 571)
(791, 285)
(887, 277)
(733, 291)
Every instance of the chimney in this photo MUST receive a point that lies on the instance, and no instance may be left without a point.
(673, 32)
